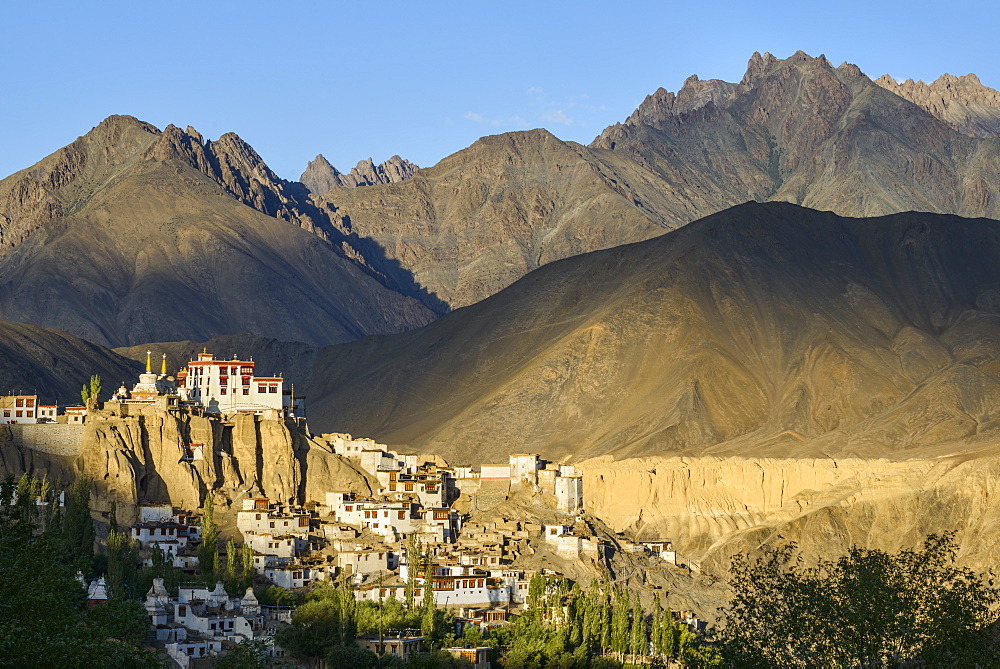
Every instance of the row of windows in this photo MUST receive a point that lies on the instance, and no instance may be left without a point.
(19, 414)
(25, 402)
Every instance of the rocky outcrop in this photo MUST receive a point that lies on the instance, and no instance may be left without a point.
(143, 455)
(320, 176)
(797, 129)
(694, 94)
(963, 102)
(714, 508)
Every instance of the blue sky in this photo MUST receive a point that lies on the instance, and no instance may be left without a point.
(425, 79)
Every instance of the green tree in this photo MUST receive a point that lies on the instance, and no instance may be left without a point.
(78, 526)
(868, 608)
(247, 654)
(90, 394)
(123, 558)
(638, 645)
(208, 551)
(246, 573)
(413, 556)
(234, 568)
(621, 622)
(43, 618)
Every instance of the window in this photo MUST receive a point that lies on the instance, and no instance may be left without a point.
(222, 390)
(29, 403)
(18, 414)
(272, 523)
(246, 391)
(273, 388)
(261, 388)
(348, 508)
(401, 514)
(29, 414)
(6, 414)
(20, 402)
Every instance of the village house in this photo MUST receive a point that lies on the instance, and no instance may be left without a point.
(478, 657)
(400, 646)
(18, 409)
(259, 516)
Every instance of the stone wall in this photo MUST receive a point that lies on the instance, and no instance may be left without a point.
(51, 438)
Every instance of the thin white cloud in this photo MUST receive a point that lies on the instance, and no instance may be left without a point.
(557, 116)
(511, 121)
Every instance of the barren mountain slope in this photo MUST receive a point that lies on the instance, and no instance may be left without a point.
(487, 215)
(55, 364)
(137, 244)
(767, 329)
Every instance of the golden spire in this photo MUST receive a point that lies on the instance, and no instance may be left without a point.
(163, 365)
(149, 362)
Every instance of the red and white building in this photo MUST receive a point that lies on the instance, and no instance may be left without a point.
(18, 409)
(230, 386)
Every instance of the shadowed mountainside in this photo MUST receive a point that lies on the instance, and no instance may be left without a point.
(55, 364)
(767, 329)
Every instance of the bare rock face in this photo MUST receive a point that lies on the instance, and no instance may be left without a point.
(963, 102)
(714, 508)
(320, 176)
(802, 131)
(137, 458)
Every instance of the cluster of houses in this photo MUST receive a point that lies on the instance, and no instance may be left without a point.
(465, 563)
(26, 410)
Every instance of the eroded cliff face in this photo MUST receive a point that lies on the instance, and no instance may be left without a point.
(713, 508)
(180, 458)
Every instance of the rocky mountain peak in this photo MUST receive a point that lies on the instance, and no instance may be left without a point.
(61, 182)
(693, 95)
(756, 65)
(320, 176)
(963, 102)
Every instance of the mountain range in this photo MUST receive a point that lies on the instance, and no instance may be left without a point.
(131, 234)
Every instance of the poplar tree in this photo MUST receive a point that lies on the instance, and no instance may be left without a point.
(208, 551)
(604, 617)
(123, 558)
(413, 551)
(621, 627)
(637, 643)
(78, 526)
(246, 576)
(232, 576)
